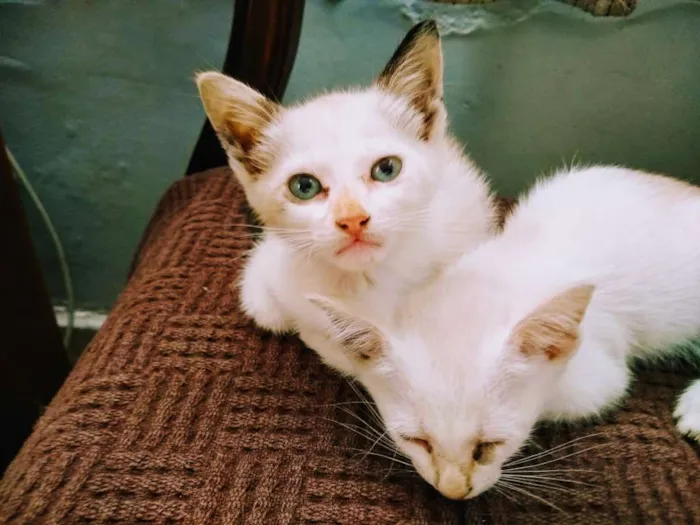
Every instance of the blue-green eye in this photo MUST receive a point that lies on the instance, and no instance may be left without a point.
(304, 186)
(386, 169)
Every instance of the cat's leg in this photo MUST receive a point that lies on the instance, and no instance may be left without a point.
(687, 411)
(328, 349)
(257, 284)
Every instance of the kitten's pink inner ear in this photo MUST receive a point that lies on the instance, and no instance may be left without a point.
(238, 113)
(552, 330)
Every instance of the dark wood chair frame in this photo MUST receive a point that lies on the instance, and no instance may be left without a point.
(33, 364)
(261, 52)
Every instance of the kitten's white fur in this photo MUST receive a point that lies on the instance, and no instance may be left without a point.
(439, 211)
(438, 208)
(596, 266)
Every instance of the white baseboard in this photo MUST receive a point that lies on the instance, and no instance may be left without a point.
(84, 319)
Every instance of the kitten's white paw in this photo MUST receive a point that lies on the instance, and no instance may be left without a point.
(329, 351)
(257, 299)
(259, 304)
(687, 412)
(268, 316)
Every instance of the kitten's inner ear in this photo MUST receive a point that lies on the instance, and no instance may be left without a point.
(552, 329)
(358, 337)
(415, 71)
(238, 113)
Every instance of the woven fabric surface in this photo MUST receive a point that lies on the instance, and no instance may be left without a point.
(181, 412)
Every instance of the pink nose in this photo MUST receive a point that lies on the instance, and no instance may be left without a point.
(353, 225)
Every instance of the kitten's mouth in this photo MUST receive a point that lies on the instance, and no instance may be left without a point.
(357, 244)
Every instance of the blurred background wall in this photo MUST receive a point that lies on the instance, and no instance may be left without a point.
(97, 101)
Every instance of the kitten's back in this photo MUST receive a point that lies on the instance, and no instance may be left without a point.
(633, 235)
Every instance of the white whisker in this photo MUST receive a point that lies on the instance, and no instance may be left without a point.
(370, 432)
(557, 459)
(365, 426)
(550, 450)
(540, 485)
(269, 228)
(398, 461)
(352, 428)
(502, 492)
(545, 478)
(375, 413)
(392, 462)
(551, 471)
(528, 493)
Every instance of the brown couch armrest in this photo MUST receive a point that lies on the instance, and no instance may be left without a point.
(180, 411)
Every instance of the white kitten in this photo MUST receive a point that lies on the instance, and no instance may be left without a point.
(362, 193)
(595, 267)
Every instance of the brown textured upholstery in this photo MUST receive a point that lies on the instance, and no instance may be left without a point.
(181, 412)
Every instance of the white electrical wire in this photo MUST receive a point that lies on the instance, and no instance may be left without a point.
(67, 281)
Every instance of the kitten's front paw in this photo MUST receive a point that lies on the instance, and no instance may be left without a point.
(257, 288)
(687, 412)
(268, 317)
(329, 351)
(259, 304)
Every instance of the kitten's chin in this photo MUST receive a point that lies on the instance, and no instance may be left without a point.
(358, 256)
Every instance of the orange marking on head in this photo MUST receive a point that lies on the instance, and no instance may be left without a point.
(350, 216)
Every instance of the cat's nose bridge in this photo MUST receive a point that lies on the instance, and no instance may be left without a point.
(349, 214)
(453, 480)
(455, 446)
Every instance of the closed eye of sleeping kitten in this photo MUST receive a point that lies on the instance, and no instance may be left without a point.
(594, 268)
(362, 192)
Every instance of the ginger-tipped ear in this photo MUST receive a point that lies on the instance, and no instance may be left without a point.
(359, 338)
(552, 330)
(414, 72)
(238, 113)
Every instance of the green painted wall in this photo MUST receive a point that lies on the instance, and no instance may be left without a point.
(97, 103)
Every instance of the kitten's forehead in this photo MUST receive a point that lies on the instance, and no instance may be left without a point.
(448, 339)
(337, 117)
(438, 357)
(447, 394)
(450, 347)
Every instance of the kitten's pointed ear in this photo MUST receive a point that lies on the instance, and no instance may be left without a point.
(552, 330)
(361, 339)
(415, 72)
(238, 113)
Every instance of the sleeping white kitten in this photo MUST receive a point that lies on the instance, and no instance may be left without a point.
(595, 267)
(362, 192)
